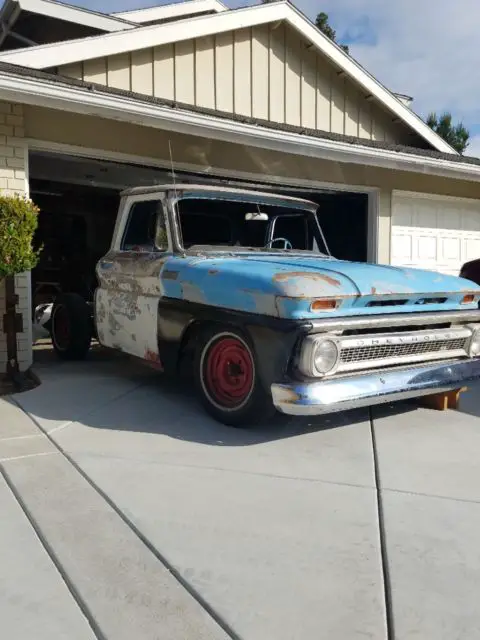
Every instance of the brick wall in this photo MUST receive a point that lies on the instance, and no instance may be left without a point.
(13, 179)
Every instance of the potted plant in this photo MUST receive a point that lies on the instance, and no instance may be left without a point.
(18, 223)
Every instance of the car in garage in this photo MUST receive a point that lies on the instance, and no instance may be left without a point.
(242, 285)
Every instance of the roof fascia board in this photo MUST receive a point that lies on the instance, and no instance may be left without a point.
(61, 53)
(77, 15)
(368, 83)
(44, 93)
(176, 10)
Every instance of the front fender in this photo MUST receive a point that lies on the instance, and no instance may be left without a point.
(273, 339)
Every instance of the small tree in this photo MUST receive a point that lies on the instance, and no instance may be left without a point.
(321, 22)
(456, 136)
(18, 223)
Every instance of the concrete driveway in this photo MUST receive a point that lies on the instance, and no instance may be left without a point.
(132, 515)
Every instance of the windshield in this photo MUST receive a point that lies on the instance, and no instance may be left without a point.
(231, 226)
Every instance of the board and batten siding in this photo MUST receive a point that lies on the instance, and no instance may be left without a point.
(268, 72)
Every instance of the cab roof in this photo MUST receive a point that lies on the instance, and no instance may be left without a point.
(213, 191)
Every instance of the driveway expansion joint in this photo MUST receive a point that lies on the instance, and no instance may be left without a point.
(191, 591)
(51, 554)
(387, 585)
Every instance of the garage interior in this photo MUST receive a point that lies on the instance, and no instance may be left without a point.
(78, 199)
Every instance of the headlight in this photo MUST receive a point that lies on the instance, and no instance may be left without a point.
(325, 356)
(319, 356)
(474, 345)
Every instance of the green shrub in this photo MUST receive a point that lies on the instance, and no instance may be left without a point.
(18, 222)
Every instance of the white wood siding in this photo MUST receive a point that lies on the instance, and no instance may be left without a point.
(266, 72)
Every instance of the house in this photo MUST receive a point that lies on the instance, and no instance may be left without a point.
(92, 103)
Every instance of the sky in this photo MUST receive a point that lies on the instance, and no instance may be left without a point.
(425, 49)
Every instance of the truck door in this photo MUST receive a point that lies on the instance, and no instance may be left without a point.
(126, 301)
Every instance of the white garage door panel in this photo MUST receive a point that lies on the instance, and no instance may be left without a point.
(434, 232)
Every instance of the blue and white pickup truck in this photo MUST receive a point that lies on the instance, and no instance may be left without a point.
(240, 285)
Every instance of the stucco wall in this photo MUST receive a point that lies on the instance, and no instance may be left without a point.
(267, 72)
(13, 180)
(212, 156)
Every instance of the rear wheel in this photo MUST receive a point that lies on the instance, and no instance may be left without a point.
(71, 327)
(227, 379)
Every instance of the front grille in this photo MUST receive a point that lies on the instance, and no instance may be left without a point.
(380, 352)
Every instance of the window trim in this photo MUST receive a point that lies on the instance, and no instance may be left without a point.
(126, 207)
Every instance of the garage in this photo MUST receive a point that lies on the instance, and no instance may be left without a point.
(78, 200)
(433, 232)
(273, 105)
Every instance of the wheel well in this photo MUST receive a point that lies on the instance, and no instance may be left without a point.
(191, 333)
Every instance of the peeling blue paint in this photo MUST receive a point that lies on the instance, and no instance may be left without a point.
(286, 286)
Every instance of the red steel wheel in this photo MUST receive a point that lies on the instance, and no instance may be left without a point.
(227, 371)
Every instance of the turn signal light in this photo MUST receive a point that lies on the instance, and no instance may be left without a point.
(468, 299)
(324, 305)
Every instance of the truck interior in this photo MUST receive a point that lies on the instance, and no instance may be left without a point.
(78, 199)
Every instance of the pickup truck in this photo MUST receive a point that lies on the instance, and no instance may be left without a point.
(240, 285)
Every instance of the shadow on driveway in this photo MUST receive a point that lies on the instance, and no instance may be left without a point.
(110, 391)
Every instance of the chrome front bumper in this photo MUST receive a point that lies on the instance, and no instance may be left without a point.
(362, 390)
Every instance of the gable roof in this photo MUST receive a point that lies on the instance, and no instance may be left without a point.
(171, 11)
(11, 10)
(62, 53)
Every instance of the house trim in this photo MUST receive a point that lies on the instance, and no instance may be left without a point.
(59, 11)
(169, 11)
(184, 167)
(432, 196)
(62, 53)
(74, 99)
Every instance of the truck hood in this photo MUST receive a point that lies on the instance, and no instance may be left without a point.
(285, 286)
(361, 278)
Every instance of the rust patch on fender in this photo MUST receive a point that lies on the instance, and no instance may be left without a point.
(153, 359)
(289, 275)
(289, 396)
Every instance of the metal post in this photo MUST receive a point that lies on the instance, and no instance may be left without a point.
(12, 324)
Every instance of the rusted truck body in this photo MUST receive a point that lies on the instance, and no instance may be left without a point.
(241, 286)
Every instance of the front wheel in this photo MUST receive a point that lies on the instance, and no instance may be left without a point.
(227, 379)
(71, 327)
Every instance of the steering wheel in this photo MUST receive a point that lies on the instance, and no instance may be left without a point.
(286, 243)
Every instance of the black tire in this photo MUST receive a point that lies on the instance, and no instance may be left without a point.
(71, 328)
(238, 398)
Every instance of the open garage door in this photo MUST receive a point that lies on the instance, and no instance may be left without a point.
(433, 232)
(78, 199)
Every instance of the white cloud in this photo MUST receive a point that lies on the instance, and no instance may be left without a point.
(473, 148)
(424, 49)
